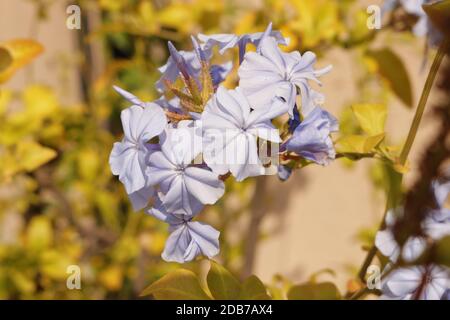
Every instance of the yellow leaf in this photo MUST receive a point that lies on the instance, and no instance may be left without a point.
(178, 16)
(112, 278)
(392, 69)
(22, 51)
(5, 98)
(371, 117)
(315, 21)
(32, 155)
(40, 101)
(372, 142)
(88, 164)
(23, 282)
(112, 5)
(54, 264)
(39, 233)
(358, 144)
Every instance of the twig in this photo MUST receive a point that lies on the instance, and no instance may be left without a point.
(409, 141)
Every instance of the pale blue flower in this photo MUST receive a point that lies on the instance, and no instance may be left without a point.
(273, 73)
(185, 187)
(227, 41)
(403, 283)
(127, 159)
(412, 249)
(441, 192)
(140, 198)
(311, 138)
(414, 246)
(231, 129)
(187, 238)
(130, 97)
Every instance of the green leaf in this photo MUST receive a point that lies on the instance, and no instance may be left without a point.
(253, 289)
(371, 117)
(439, 14)
(392, 69)
(180, 284)
(442, 251)
(222, 284)
(358, 144)
(314, 291)
(5, 59)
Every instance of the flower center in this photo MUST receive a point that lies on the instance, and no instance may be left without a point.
(180, 170)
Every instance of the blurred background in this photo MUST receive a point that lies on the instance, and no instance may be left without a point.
(60, 204)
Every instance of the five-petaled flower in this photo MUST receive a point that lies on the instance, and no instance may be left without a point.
(185, 187)
(188, 238)
(231, 129)
(275, 73)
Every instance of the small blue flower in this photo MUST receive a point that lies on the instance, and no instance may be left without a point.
(311, 139)
(227, 41)
(188, 238)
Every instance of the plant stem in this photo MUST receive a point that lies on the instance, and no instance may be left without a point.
(423, 101)
(409, 141)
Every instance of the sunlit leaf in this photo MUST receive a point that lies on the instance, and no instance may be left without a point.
(392, 69)
(112, 277)
(54, 264)
(373, 141)
(32, 155)
(22, 51)
(371, 117)
(222, 284)
(314, 291)
(5, 98)
(40, 101)
(39, 233)
(358, 143)
(22, 281)
(180, 284)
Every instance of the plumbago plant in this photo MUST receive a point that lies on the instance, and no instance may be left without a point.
(178, 150)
